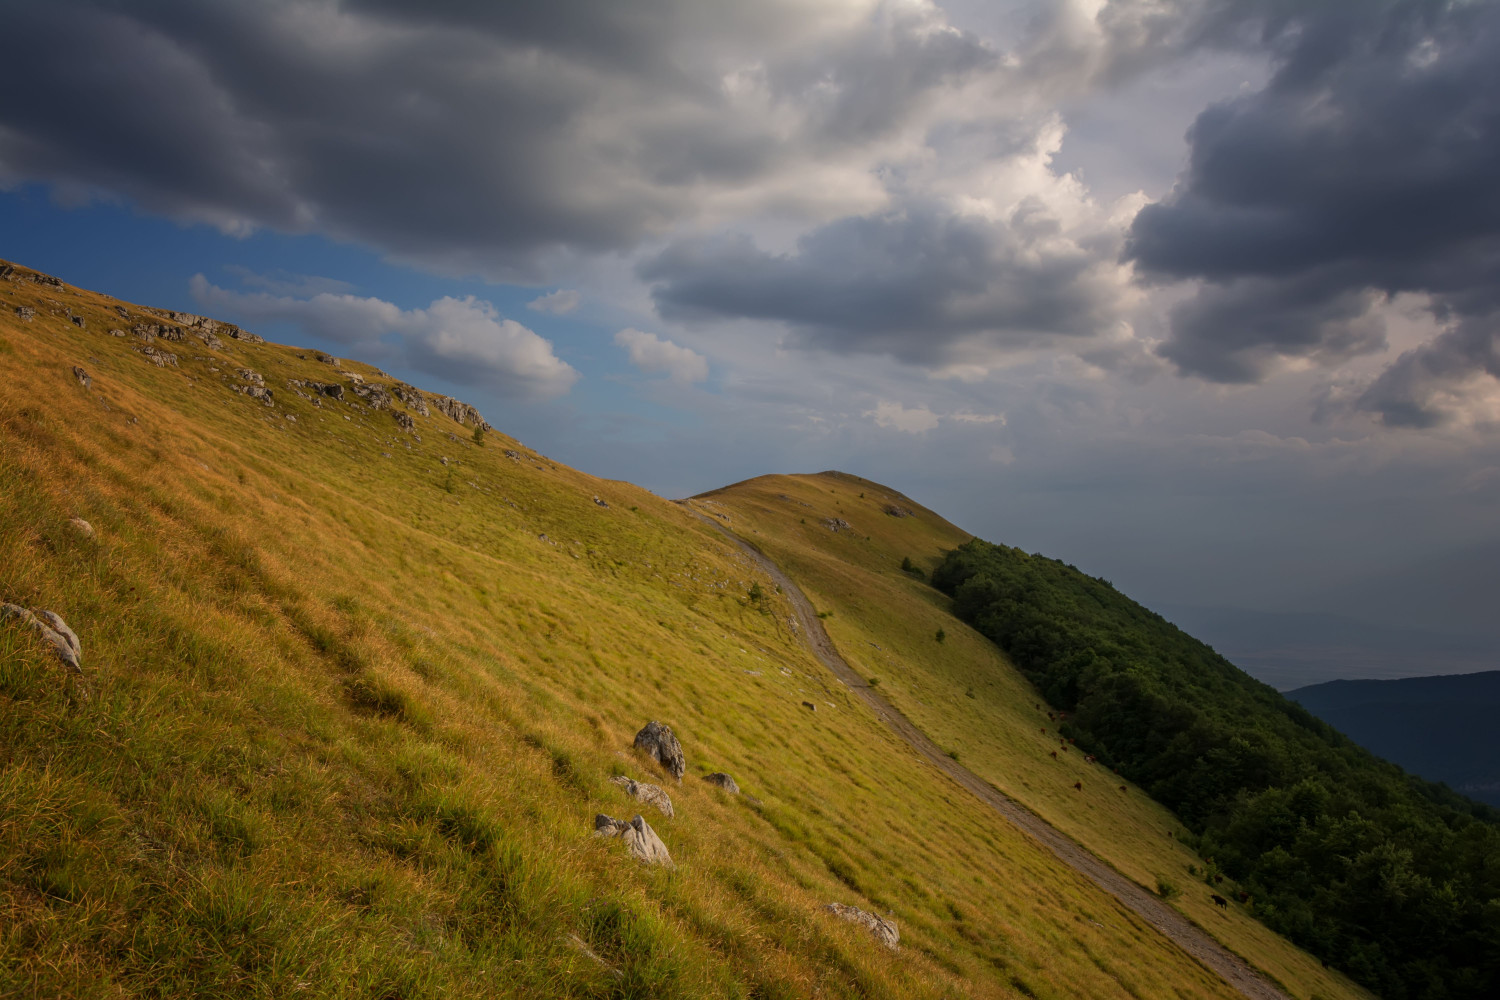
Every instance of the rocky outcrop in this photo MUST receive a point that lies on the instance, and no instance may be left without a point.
(157, 356)
(82, 377)
(251, 376)
(403, 420)
(27, 313)
(259, 392)
(724, 781)
(897, 511)
(413, 399)
(330, 389)
(642, 841)
(460, 411)
(836, 524)
(53, 631)
(885, 931)
(657, 740)
(375, 396)
(652, 795)
(203, 325)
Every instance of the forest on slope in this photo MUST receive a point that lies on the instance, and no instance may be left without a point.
(1389, 877)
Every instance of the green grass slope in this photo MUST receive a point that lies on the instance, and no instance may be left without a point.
(348, 712)
(968, 697)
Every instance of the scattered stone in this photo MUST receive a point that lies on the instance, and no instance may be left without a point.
(257, 392)
(144, 331)
(82, 527)
(600, 503)
(404, 420)
(896, 511)
(460, 411)
(355, 377)
(158, 357)
(245, 335)
(26, 312)
(250, 376)
(724, 781)
(117, 333)
(658, 741)
(638, 836)
(46, 279)
(328, 359)
(653, 795)
(512, 454)
(175, 334)
(77, 321)
(809, 706)
(124, 313)
(6, 271)
(330, 389)
(836, 524)
(444, 459)
(82, 377)
(885, 931)
(52, 629)
(210, 341)
(289, 418)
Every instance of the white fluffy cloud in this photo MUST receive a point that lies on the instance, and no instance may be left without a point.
(916, 420)
(558, 303)
(650, 353)
(464, 340)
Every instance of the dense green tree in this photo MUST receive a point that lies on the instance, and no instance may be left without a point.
(1393, 879)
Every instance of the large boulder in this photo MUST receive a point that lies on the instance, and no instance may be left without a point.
(885, 931)
(642, 841)
(658, 741)
(460, 411)
(653, 795)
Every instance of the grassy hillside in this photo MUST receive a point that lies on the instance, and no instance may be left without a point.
(965, 694)
(348, 712)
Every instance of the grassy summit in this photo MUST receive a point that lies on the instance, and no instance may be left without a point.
(348, 712)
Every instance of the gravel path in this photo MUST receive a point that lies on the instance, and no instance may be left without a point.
(1187, 935)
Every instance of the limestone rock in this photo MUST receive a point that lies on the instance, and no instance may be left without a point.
(885, 931)
(512, 454)
(210, 341)
(77, 321)
(412, 398)
(658, 741)
(330, 389)
(836, 524)
(653, 795)
(460, 411)
(404, 420)
(375, 396)
(724, 781)
(82, 527)
(53, 630)
(245, 335)
(600, 503)
(46, 279)
(895, 511)
(642, 841)
(124, 313)
(328, 359)
(253, 377)
(145, 331)
(158, 357)
(82, 377)
(257, 392)
(28, 313)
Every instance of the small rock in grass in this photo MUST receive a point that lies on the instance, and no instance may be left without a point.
(82, 527)
(653, 795)
(82, 377)
(52, 629)
(885, 931)
(28, 313)
(658, 741)
(724, 781)
(642, 841)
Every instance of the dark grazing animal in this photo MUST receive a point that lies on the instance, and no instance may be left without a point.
(1220, 901)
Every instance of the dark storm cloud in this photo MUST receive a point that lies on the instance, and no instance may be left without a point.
(913, 284)
(1365, 168)
(465, 135)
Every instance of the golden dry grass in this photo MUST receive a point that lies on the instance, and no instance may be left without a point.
(348, 718)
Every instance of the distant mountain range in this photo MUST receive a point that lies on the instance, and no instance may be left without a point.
(1442, 728)
(1294, 650)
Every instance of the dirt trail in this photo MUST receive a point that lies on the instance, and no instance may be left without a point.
(1187, 935)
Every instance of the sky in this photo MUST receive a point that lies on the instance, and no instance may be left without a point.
(1201, 296)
